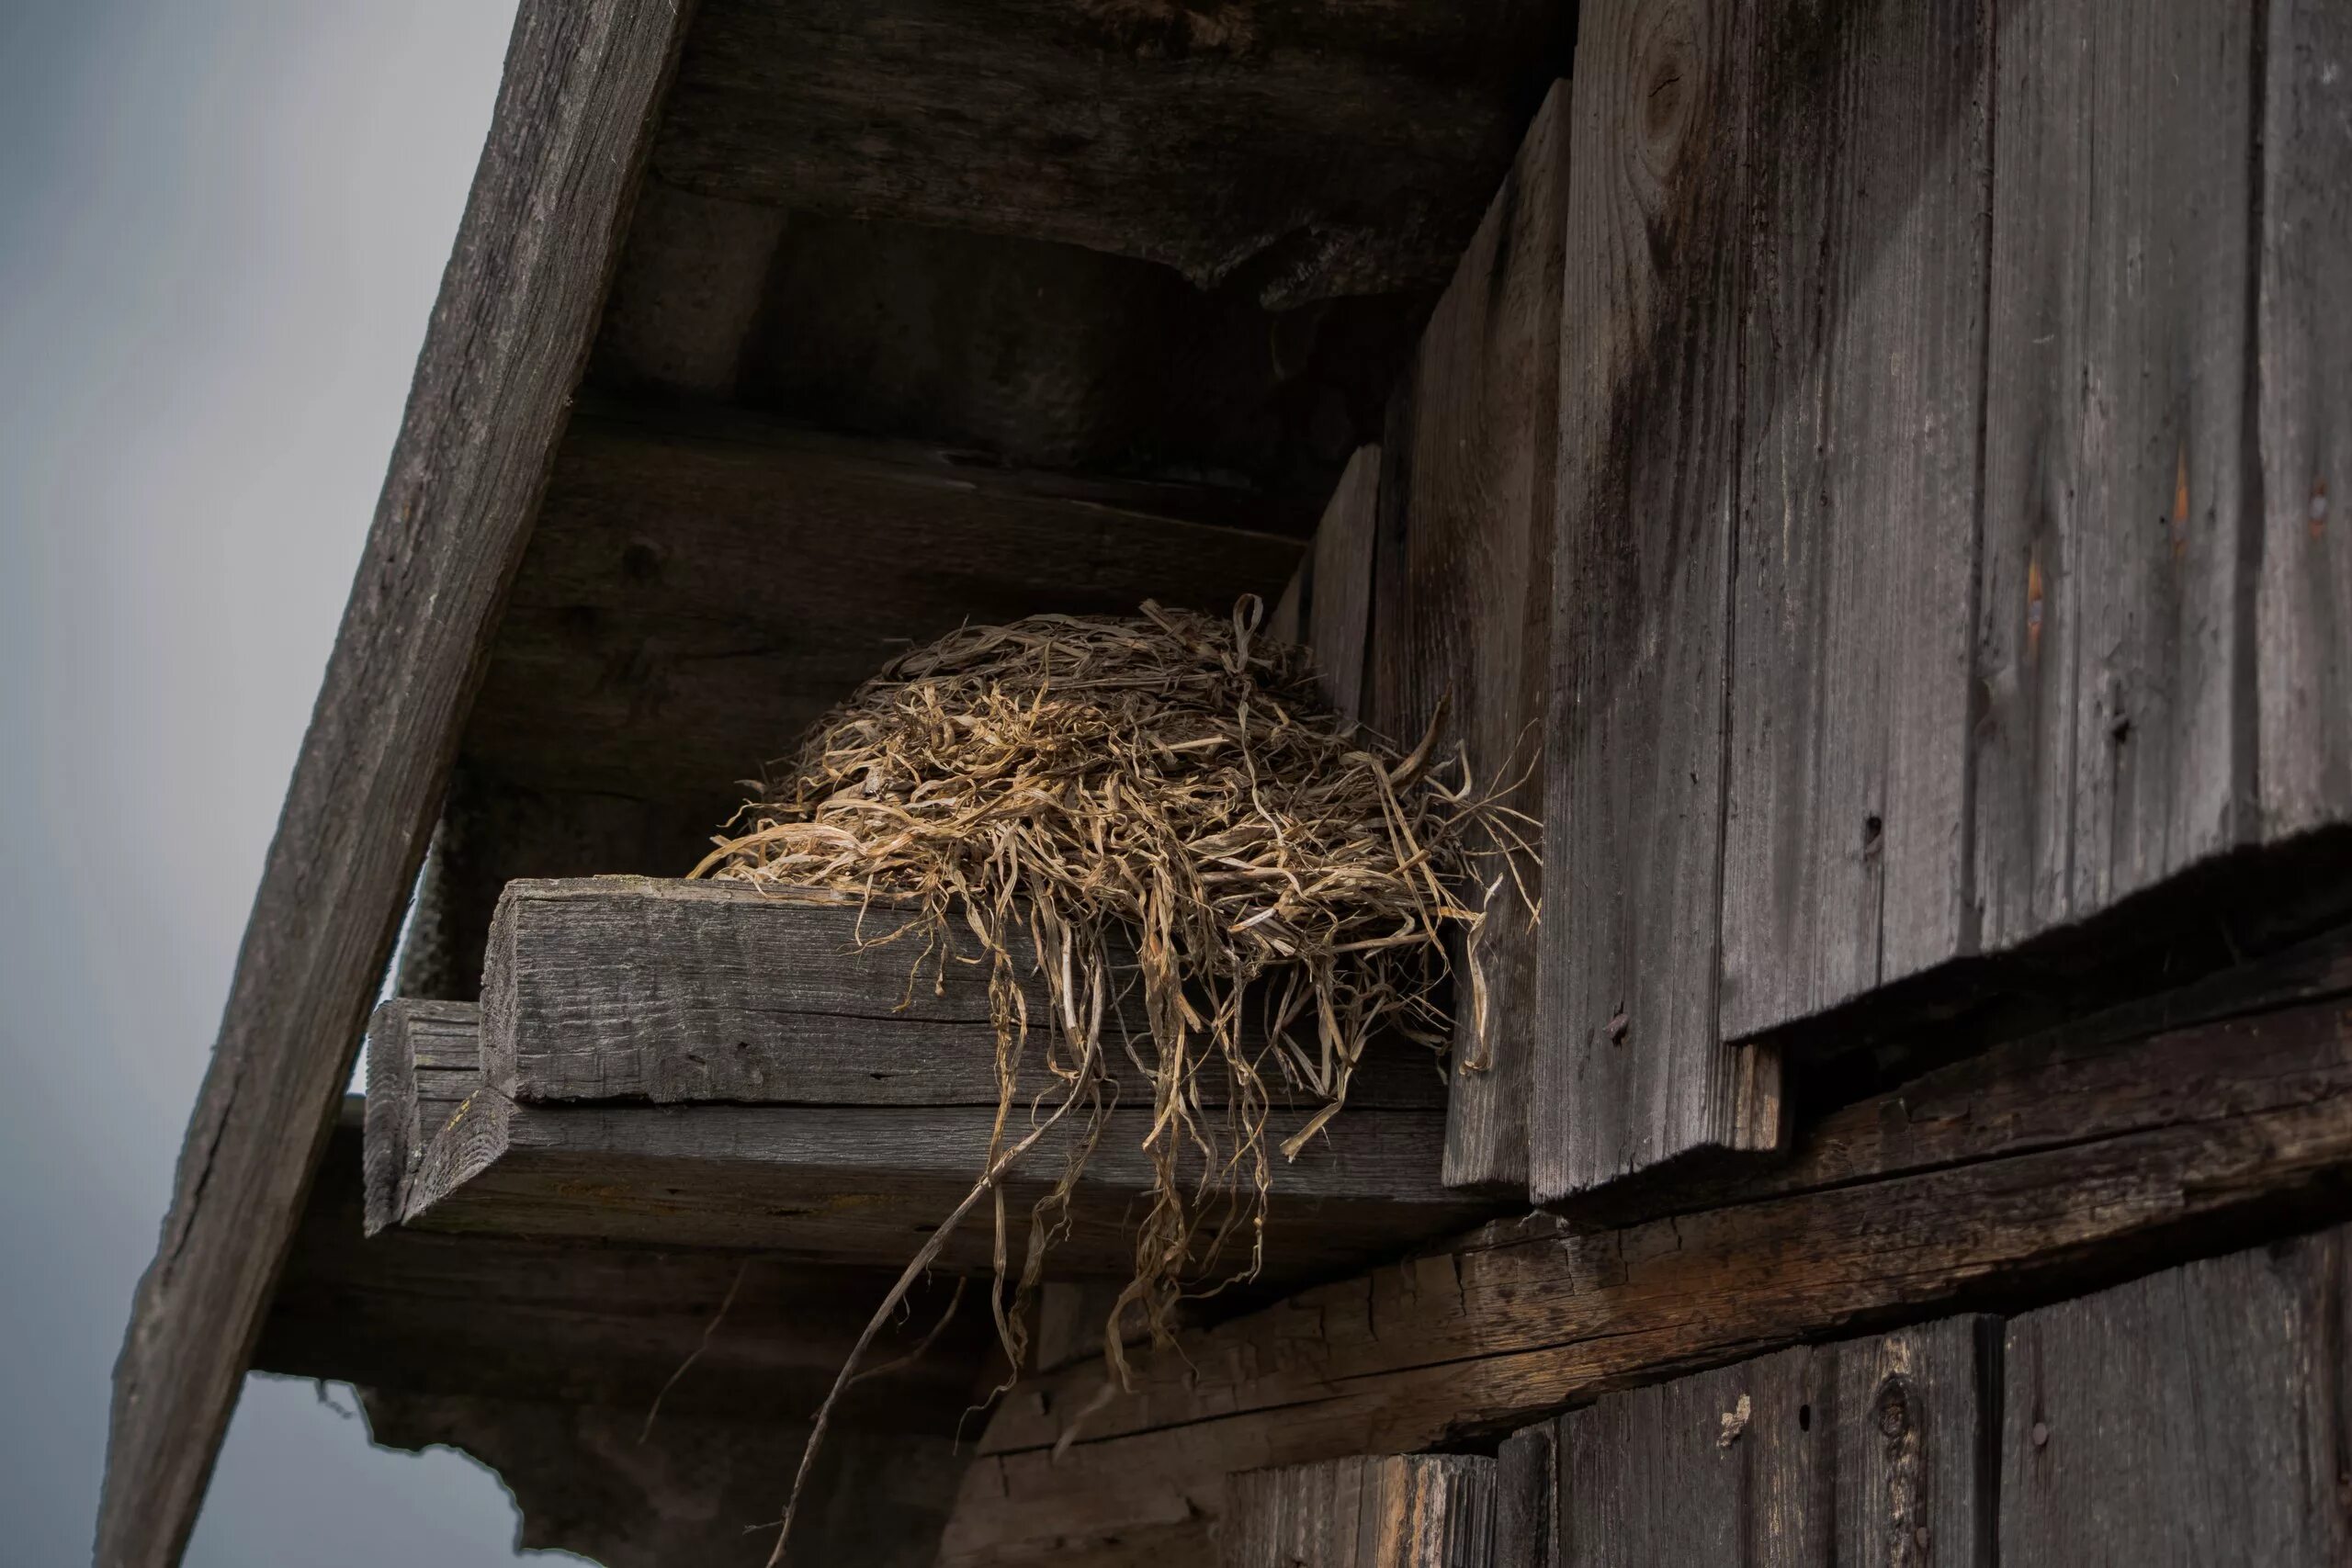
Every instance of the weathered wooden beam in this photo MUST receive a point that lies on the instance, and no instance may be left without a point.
(1463, 600)
(2196, 1415)
(424, 1058)
(1404, 1511)
(1631, 1074)
(417, 1312)
(2039, 1168)
(1305, 150)
(676, 992)
(711, 1064)
(510, 331)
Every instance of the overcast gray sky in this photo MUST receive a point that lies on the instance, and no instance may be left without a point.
(221, 224)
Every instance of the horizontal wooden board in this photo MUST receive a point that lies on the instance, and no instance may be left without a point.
(866, 1184)
(2042, 1167)
(1304, 149)
(606, 1326)
(616, 988)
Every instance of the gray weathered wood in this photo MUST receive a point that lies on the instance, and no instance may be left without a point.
(1307, 150)
(513, 324)
(424, 1058)
(413, 1311)
(634, 988)
(2304, 328)
(1527, 1490)
(1409, 1511)
(1872, 1450)
(1845, 828)
(864, 1183)
(1630, 1073)
(2200, 1416)
(694, 1491)
(1462, 592)
(2114, 747)
(2043, 1168)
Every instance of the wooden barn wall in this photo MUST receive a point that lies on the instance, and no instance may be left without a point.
(2200, 1414)
(1949, 398)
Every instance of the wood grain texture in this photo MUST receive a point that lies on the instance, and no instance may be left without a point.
(1846, 825)
(1303, 149)
(510, 329)
(636, 988)
(863, 1184)
(424, 1058)
(1404, 1511)
(2115, 744)
(1462, 589)
(1631, 1073)
(1872, 1450)
(697, 1489)
(2200, 1416)
(2303, 606)
(2041, 1168)
(602, 1324)
(1527, 1494)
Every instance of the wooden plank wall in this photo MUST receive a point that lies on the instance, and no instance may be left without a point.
(1405, 1511)
(2196, 1415)
(1947, 415)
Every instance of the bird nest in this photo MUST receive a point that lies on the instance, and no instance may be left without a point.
(1219, 879)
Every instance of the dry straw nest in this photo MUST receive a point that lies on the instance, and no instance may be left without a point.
(1216, 876)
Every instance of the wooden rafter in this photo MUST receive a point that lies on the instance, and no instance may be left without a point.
(509, 335)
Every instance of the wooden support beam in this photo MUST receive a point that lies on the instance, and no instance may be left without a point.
(2043, 1167)
(1302, 150)
(1405, 1511)
(1462, 586)
(510, 331)
(708, 1063)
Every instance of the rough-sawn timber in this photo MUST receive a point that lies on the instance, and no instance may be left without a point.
(2041, 1168)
